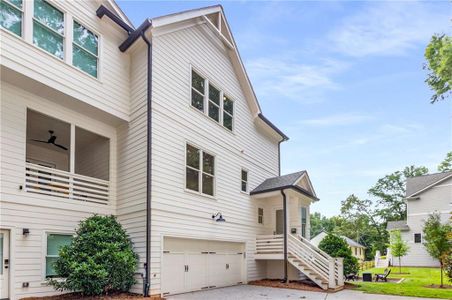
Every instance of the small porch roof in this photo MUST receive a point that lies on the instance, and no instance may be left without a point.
(397, 225)
(289, 181)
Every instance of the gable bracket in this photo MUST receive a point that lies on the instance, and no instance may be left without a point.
(218, 33)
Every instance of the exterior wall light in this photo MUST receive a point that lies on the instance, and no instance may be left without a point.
(218, 217)
(25, 231)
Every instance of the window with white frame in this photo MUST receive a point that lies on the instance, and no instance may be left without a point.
(54, 244)
(417, 238)
(200, 171)
(212, 101)
(304, 216)
(260, 215)
(48, 28)
(244, 181)
(11, 15)
(85, 49)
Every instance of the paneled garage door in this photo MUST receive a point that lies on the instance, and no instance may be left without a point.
(191, 265)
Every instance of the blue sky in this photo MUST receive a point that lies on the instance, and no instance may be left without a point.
(343, 80)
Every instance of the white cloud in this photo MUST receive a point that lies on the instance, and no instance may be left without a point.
(288, 78)
(389, 28)
(338, 120)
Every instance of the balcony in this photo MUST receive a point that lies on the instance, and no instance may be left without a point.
(66, 161)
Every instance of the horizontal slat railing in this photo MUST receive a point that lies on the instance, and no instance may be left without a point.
(58, 183)
(268, 244)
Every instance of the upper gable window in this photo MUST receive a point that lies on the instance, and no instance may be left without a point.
(11, 12)
(48, 28)
(85, 49)
(212, 101)
(200, 171)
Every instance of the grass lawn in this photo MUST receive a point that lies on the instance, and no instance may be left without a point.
(414, 284)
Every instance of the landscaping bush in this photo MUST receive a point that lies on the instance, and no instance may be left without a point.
(335, 246)
(100, 259)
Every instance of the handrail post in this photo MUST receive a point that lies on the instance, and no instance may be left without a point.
(340, 271)
(331, 277)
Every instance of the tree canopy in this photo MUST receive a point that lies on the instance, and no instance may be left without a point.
(439, 62)
(446, 164)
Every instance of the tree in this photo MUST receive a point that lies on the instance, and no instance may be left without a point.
(439, 62)
(389, 193)
(436, 237)
(446, 164)
(320, 223)
(100, 259)
(335, 246)
(398, 247)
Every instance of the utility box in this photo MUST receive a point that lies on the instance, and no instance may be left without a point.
(367, 277)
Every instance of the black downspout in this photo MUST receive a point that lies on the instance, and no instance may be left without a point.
(147, 264)
(279, 157)
(285, 280)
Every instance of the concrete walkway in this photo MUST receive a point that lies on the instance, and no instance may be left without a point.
(251, 292)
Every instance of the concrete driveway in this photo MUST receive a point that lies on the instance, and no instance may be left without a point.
(251, 292)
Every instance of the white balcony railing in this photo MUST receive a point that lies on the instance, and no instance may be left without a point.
(57, 183)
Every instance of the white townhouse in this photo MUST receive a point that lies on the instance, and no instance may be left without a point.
(424, 195)
(158, 125)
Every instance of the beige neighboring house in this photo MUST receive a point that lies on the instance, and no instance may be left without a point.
(158, 125)
(424, 195)
(358, 250)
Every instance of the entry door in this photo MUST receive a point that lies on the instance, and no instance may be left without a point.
(279, 221)
(4, 264)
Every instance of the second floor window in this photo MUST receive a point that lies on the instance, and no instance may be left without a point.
(85, 49)
(212, 101)
(48, 28)
(11, 15)
(200, 171)
(244, 182)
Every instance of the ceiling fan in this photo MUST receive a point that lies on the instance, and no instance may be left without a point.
(51, 140)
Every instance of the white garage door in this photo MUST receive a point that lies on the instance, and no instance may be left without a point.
(194, 269)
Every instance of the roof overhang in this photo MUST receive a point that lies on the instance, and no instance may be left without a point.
(272, 192)
(415, 194)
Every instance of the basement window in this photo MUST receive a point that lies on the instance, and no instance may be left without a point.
(11, 14)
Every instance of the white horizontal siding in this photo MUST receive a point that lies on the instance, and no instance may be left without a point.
(109, 93)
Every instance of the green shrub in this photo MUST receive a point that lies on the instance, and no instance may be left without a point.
(335, 246)
(448, 265)
(100, 259)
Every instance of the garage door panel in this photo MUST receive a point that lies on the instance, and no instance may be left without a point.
(173, 273)
(197, 275)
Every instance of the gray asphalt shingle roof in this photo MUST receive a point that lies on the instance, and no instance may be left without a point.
(397, 225)
(418, 183)
(351, 242)
(282, 182)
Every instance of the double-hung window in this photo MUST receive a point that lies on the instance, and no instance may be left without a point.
(212, 101)
(304, 216)
(244, 181)
(48, 28)
(54, 243)
(417, 238)
(85, 49)
(260, 215)
(200, 171)
(11, 15)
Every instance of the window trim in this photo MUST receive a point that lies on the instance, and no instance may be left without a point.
(206, 99)
(22, 11)
(99, 48)
(200, 171)
(44, 250)
(63, 35)
(247, 192)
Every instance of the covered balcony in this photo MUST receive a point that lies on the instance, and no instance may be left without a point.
(66, 161)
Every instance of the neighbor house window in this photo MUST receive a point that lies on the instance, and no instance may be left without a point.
(85, 49)
(244, 181)
(54, 243)
(11, 15)
(220, 108)
(200, 171)
(260, 215)
(48, 28)
(417, 238)
(303, 221)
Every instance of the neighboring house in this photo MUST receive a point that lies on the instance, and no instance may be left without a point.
(424, 195)
(158, 125)
(357, 249)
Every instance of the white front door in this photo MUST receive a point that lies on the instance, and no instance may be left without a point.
(4, 264)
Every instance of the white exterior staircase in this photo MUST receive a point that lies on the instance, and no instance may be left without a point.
(322, 269)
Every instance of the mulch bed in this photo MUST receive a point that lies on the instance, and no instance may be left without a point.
(437, 286)
(303, 285)
(77, 296)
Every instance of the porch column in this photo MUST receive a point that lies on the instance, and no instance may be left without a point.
(285, 235)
